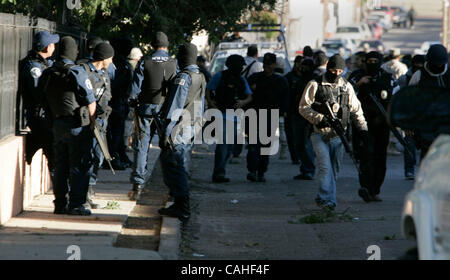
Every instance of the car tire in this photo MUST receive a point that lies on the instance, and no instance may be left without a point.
(410, 255)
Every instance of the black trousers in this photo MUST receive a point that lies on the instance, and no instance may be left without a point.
(41, 137)
(373, 157)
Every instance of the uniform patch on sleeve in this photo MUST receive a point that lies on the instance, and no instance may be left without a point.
(35, 72)
(180, 81)
(88, 84)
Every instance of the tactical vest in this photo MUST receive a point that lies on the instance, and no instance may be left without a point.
(102, 91)
(58, 91)
(196, 91)
(426, 80)
(157, 75)
(339, 95)
(230, 89)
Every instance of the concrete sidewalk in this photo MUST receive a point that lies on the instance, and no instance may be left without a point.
(115, 231)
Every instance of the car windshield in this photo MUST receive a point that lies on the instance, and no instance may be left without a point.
(332, 45)
(218, 65)
(372, 44)
(347, 30)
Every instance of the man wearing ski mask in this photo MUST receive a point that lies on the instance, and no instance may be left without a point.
(330, 88)
(231, 91)
(434, 74)
(373, 80)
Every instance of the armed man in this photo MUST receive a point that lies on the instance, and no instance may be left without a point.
(435, 74)
(178, 130)
(147, 93)
(302, 148)
(328, 100)
(97, 71)
(31, 69)
(71, 100)
(119, 102)
(375, 88)
(227, 90)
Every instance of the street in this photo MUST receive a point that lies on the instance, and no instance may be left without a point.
(279, 219)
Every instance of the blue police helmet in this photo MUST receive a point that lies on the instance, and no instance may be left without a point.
(43, 38)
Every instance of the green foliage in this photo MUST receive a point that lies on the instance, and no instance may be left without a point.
(112, 205)
(139, 19)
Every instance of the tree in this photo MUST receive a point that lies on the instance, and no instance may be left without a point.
(140, 19)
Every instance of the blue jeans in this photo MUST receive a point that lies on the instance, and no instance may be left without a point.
(410, 162)
(141, 142)
(175, 164)
(328, 156)
(73, 161)
(224, 151)
(302, 144)
(97, 154)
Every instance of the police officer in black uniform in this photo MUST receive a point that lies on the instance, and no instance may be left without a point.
(97, 72)
(148, 89)
(119, 103)
(269, 92)
(186, 89)
(373, 80)
(71, 102)
(31, 69)
(297, 125)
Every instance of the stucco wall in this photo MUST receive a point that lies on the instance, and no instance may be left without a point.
(19, 182)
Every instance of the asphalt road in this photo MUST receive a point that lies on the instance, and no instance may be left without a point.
(243, 220)
(409, 39)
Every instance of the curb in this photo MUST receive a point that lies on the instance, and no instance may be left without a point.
(170, 238)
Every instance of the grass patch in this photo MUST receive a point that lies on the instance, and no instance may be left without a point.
(112, 205)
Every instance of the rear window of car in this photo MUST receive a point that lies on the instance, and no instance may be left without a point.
(332, 45)
(347, 30)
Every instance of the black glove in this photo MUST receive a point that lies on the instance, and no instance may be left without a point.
(132, 103)
(323, 123)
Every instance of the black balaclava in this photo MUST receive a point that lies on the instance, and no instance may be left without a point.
(437, 58)
(187, 55)
(373, 68)
(307, 68)
(335, 62)
(417, 60)
(68, 48)
(235, 63)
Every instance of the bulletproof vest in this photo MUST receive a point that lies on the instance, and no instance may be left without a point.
(157, 75)
(339, 95)
(266, 95)
(196, 91)
(230, 89)
(58, 90)
(102, 91)
(28, 101)
(426, 80)
(383, 82)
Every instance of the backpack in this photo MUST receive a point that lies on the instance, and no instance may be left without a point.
(230, 89)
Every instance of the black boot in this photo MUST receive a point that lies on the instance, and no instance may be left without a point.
(180, 209)
(60, 207)
(89, 202)
(135, 192)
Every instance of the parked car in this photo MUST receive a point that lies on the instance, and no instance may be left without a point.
(226, 49)
(383, 18)
(373, 44)
(400, 16)
(377, 30)
(385, 9)
(350, 32)
(367, 31)
(336, 46)
(426, 211)
(425, 46)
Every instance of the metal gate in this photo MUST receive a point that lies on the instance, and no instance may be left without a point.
(16, 38)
